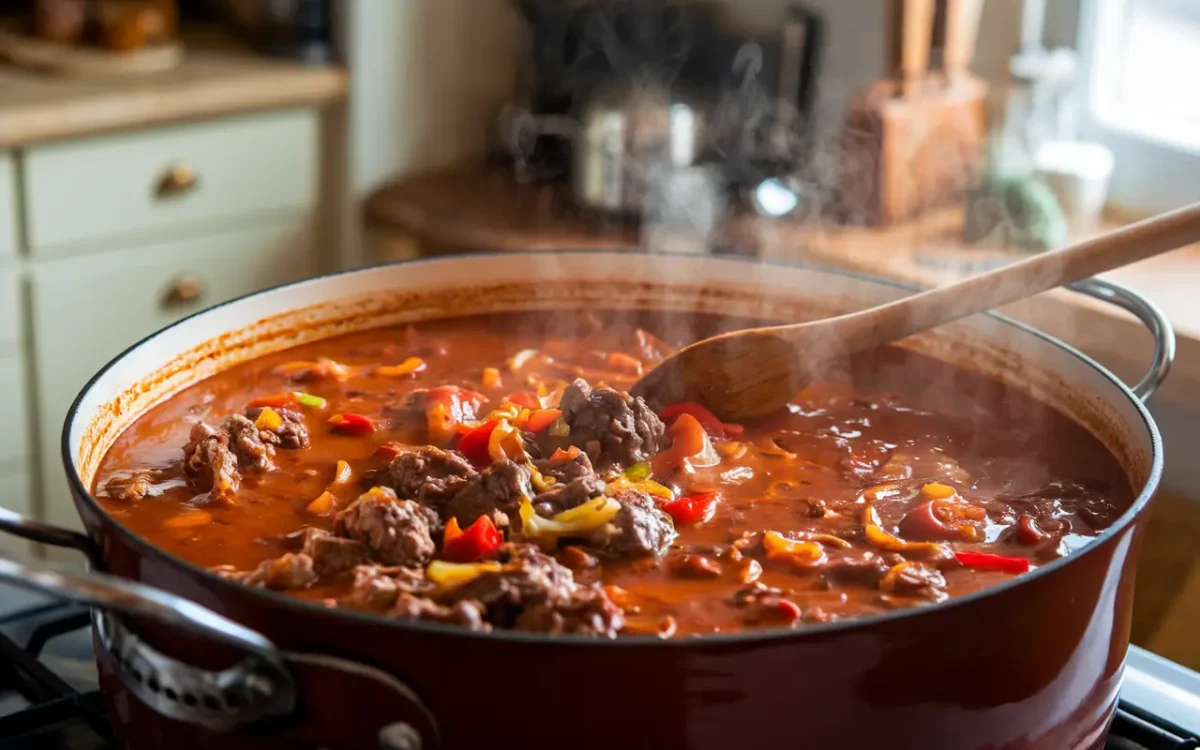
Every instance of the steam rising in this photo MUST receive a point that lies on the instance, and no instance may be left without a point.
(790, 166)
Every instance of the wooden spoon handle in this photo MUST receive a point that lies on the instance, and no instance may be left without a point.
(1020, 280)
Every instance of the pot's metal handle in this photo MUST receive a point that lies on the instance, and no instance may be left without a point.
(1150, 315)
(257, 687)
(262, 685)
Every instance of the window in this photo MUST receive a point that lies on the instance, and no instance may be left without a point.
(1141, 93)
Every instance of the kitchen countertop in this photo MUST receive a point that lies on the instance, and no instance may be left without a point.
(219, 76)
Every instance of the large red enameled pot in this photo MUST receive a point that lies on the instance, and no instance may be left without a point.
(190, 660)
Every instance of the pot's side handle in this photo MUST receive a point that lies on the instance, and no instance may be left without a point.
(16, 524)
(1150, 315)
(264, 684)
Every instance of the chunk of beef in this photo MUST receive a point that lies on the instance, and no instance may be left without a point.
(132, 487)
(528, 577)
(495, 492)
(866, 570)
(397, 532)
(586, 611)
(575, 483)
(469, 614)
(914, 579)
(376, 587)
(209, 463)
(614, 428)
(291, 435)
(247, 442)
(640, 528)
(430, 475)
(330, 554)
(284, 573)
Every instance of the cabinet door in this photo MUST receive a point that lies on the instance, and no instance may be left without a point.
(90, 192)
(8, 206)
(88, 310)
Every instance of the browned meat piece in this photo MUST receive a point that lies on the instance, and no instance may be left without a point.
(615, 429)
(291, 435)
(575, 484)
(495, 492)
(695, 566)
(467, 613)
(528, 577)
(132, 487)
(587, 611)
(914, 579)
(330, 554)
(640, 528)
(397, 532)
(210, 465)
(861, 571)
(247, 442)
(429, 475)
(284, 573)
(376, 587)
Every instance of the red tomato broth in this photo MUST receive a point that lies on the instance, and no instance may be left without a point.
(841, 434)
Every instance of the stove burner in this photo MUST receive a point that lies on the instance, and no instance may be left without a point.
(49, 699)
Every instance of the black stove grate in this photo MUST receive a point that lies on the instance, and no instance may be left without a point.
(54, 713)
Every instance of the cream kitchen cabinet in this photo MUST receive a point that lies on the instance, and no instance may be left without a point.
(90, 309)
(105, 239)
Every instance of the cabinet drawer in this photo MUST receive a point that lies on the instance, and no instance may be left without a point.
(15, 494)
(10, 301)
(13, 445)
(8, 206)
(133, 185)
(103, 303)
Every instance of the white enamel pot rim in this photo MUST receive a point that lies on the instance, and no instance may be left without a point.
(697, 282)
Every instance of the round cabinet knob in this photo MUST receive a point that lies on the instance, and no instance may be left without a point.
(176, 181)
(183, 291)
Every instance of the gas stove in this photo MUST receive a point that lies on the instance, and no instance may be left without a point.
(49, 699)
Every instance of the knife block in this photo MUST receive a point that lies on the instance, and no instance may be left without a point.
(904, 154)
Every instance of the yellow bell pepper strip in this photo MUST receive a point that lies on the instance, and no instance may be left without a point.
(638, 471)
(541, 419)
(987, 561)
(649, 486)
(706, 418)
(321, 506)
(410, 366)
(578, 521)
(490, 378)
(802, 554)
(448, 574)
(268, 420)
(479, 539)
(355, 425)
(342, 473)
(692, 509)
(877, 536)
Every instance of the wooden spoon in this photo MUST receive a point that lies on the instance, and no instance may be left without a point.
(755, 371)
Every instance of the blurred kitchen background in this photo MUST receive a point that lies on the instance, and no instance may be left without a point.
(160, 156)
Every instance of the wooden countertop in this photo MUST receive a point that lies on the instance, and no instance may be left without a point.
(218, 76)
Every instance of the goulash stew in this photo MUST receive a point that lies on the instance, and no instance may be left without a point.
(492, 472)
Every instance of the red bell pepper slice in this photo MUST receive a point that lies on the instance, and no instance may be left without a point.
(474, 444)
(479, 539)
(703, 416)
(523, 399)
(541, 419)
(692, 509)
(352, 424)
(987, 561)
(389, 450)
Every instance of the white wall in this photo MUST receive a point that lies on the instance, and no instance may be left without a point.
(427, 79)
